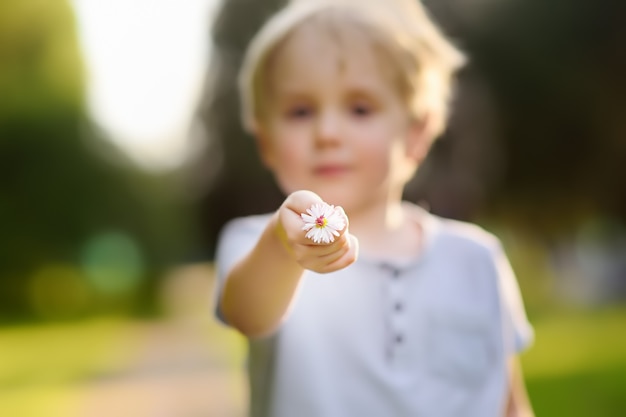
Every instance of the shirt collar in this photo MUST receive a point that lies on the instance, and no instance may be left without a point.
(429, 225)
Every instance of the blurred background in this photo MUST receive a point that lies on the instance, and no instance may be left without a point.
(121, 156)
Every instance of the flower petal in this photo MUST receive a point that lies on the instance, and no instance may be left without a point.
(334, 222)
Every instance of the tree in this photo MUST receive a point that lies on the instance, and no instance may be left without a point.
(61, 182)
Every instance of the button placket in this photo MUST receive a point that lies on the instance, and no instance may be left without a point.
(396, 339)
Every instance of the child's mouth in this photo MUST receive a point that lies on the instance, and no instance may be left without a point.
(331, 170)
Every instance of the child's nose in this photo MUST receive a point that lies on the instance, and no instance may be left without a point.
(328, 129)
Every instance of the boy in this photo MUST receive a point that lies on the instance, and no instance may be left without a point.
(344, 99)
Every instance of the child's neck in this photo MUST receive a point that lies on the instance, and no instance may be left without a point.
(386, 231)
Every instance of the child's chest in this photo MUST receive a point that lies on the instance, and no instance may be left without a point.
(430, 321)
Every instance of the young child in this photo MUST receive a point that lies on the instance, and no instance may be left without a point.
(402, 313)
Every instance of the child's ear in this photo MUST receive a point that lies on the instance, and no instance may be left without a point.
(418, 141)
(264, 146)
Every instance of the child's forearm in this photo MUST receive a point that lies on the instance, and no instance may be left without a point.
(259, 289)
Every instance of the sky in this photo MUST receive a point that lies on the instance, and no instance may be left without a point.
(145, 62)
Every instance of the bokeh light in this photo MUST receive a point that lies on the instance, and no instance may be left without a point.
(113, 263)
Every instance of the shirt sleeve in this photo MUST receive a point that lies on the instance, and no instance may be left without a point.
(237, 238)
(517, 330)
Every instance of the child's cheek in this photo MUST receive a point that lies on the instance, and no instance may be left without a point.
(289, 169)
(291, 157)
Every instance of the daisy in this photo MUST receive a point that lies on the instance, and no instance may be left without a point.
(323, 222)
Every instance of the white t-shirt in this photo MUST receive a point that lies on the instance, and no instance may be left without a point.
(428, 338)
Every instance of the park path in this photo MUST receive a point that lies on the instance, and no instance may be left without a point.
(184, 366)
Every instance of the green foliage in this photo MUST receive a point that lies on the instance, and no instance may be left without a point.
(556, 77)
(41, 68)
(61, 182)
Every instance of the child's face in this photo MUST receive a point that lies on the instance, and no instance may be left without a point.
(336, 125)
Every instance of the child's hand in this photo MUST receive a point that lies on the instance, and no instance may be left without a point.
(327, 248)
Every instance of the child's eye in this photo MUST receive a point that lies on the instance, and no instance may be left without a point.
(361, 110)
(299, 112)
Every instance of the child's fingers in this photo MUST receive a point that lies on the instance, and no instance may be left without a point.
(311, 250)
(346, 259)
(338, 251)
(339, 258)
(311, 220)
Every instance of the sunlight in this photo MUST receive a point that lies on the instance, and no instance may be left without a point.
(145, 62)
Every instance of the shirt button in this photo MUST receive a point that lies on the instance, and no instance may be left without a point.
(398, 307)
(399, 338)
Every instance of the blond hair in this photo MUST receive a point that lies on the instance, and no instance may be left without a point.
(425, 59)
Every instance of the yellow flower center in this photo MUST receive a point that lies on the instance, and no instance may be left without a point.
(321, 222)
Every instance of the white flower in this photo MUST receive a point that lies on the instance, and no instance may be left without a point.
(323, 222)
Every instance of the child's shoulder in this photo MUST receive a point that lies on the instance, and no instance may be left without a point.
(466, 236)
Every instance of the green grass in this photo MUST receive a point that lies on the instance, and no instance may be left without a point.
(39, 401)
(577, 366)
(62, 353)
(597, 392)
(45, 368)
(41, 365)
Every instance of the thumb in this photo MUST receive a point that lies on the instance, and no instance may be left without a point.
(290, 220)
(299, 201)
(322, 222)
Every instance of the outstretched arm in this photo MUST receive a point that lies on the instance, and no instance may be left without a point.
(259, 288)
